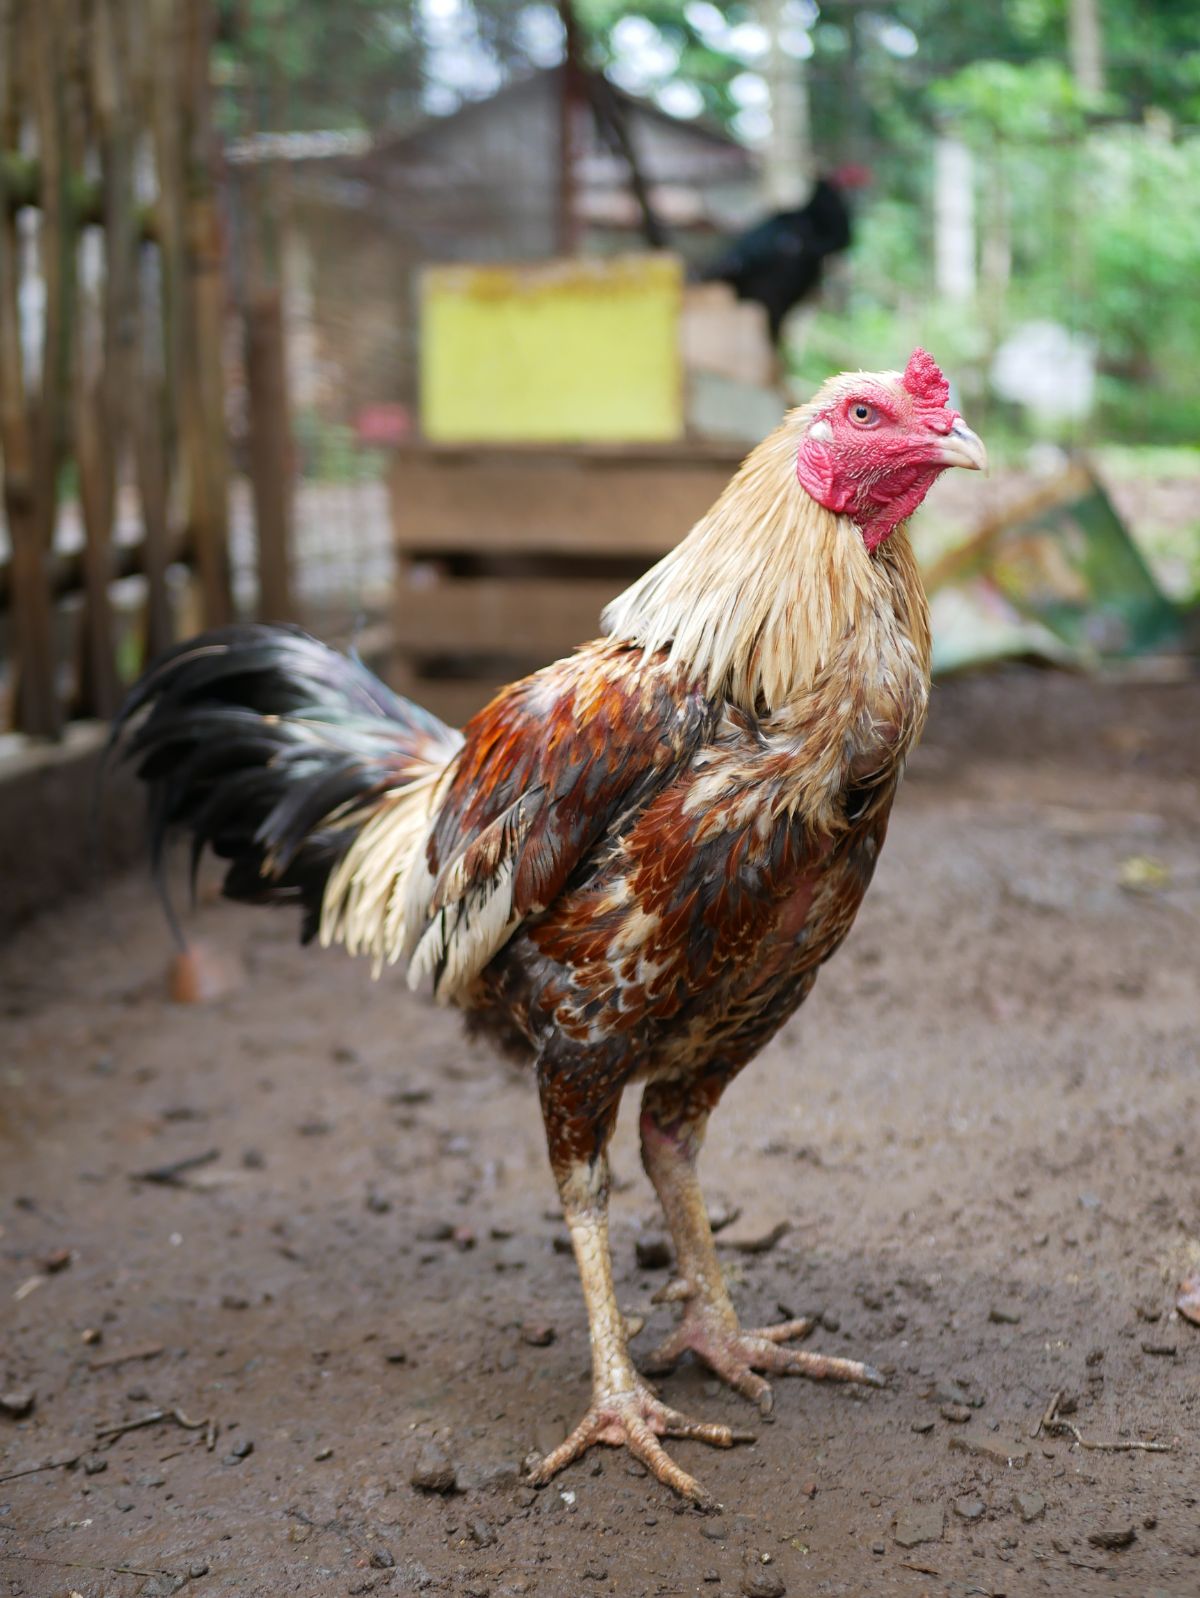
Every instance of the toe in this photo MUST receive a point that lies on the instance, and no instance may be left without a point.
(752, 1386)
(645, 1446)
(784, 1331)
(580, 1440)
(818, 1367)
(701, 1431)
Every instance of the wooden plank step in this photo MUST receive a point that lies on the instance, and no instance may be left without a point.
(537, 617)
(524, 504)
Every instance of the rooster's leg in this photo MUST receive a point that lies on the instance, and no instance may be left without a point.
(624, 1409)
(673, 1122)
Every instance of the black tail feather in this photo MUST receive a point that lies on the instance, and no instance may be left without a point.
(272, 750)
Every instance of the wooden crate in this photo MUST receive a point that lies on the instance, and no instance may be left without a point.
(506, 556)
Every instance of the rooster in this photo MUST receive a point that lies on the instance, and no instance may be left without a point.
(780, 262)
(629, 866)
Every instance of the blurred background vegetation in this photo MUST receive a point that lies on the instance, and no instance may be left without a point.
(1085, 153)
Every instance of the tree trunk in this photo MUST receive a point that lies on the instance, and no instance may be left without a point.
(1086, 45)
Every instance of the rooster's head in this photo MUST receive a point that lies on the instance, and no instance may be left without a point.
(876, 442)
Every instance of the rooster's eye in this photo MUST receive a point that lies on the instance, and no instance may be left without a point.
(864, 415)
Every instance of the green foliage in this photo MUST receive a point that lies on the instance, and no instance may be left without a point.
(301, 65)
(1038, 101)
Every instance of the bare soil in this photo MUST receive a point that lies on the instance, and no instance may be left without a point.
(981, 1130)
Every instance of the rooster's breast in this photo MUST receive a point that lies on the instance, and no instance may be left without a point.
(695, 936)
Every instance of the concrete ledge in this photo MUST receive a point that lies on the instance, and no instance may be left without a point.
(55, 839)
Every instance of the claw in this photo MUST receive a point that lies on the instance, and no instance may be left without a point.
(636, 1420)
(737, 1355)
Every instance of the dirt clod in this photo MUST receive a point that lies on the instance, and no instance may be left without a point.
(999, 1450)
(761, 1243)
(760, 1582)
(434, 1471)
(18, 1402)
(919, 1523)
(1030, 1506)
(1113, 1537)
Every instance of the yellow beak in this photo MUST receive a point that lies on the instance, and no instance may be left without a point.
(962, 447)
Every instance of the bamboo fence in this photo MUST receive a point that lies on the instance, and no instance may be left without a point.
(108, 198)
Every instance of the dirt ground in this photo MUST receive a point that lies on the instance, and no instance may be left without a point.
(981, 1130)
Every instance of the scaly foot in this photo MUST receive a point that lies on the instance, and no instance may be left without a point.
(636, 1419)
(735, 1353)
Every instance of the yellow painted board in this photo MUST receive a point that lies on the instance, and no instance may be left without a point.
(568, 351)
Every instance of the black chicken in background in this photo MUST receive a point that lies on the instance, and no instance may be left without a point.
(779, 262)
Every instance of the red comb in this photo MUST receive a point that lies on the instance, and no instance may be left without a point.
(924, 380)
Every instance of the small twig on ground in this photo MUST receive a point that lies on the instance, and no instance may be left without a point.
(1048, 1415)
(124, 1356)
(168, 1175)
(46, 1464)
(152, 1419)
(757, 1245)
(1050, 1422)
(79, 1564)
(1117, 1447)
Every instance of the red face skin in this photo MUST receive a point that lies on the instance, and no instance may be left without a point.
(876, 453)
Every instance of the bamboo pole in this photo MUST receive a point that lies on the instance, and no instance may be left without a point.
(36, 699)
(189, 243)
(151, 414)
(206, 312)
(47, 22)
(101, 371)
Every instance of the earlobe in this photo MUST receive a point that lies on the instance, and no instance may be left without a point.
(817, 474)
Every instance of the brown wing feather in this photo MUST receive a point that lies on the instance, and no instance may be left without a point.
(545, 771)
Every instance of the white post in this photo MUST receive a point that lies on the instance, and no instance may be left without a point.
(787, 159)
(954, 220)
(1087, 45)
